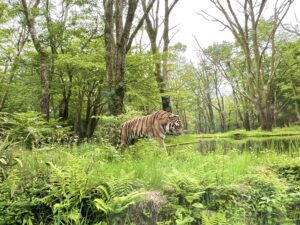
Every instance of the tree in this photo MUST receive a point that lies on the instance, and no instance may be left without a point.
(152, 27)
(117, 43)
(30, 15)
(13, 38)
(230, 66)
(260, 73)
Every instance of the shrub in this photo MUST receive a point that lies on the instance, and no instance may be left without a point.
(31, 130)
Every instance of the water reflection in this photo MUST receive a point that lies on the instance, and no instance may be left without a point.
(280, 145)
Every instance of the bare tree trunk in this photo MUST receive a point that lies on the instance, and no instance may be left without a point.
(294, 90)
(238, 114)
(266, 117)
(109, 48)
(4, 96)
(246, 120)
(45, 96)
(210, 114)
(198, 116)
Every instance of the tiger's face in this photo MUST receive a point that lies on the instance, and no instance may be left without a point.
(174, 127)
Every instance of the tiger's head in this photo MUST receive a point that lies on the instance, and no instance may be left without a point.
(174, 126)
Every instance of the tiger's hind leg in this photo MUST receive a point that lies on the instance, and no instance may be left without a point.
(121, 144)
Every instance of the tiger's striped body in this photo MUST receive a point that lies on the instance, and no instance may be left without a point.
(155, 125)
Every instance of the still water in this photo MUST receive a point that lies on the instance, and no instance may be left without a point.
(289, 144)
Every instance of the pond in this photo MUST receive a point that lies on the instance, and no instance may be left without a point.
(282, 144)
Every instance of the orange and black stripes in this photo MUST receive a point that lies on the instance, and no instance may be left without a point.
(153, 125)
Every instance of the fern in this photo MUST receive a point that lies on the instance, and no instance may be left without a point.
(73, 200)
(184, 198)
(213, 218)
(117, 195)
(67, 189)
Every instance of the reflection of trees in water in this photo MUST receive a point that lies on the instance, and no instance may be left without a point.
(280, 145)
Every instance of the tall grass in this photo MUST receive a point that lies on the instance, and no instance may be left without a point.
(148, 163)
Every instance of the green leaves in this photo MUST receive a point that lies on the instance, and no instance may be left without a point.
(101, 205)
(186, 198)
(80, 61)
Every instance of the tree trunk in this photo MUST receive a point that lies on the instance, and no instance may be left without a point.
(166, 100)
(294, 90)
(185, 121)
(63, 113)
(266, 117)
(210, 114)
(198, 116)
(166, 103)
(161, 70)
(4, 96)
(120, 84)
(117, 44)
(19, 48)
(45, 96)
(77, 122)
(246, 120)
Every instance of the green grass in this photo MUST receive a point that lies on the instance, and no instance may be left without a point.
(218, 183)
(243, 134)
(147, 163)
(287, 131)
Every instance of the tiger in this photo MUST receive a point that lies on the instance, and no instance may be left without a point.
(155, 125)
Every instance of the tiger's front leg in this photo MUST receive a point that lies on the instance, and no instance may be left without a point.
(162, 144)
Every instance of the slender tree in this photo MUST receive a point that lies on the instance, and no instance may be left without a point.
(30, 16)
(161, 65)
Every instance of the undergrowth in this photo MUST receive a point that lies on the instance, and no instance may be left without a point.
(94, 184)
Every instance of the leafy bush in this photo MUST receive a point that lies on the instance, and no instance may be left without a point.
(31, 129)
(290, 174)
(184, 198)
